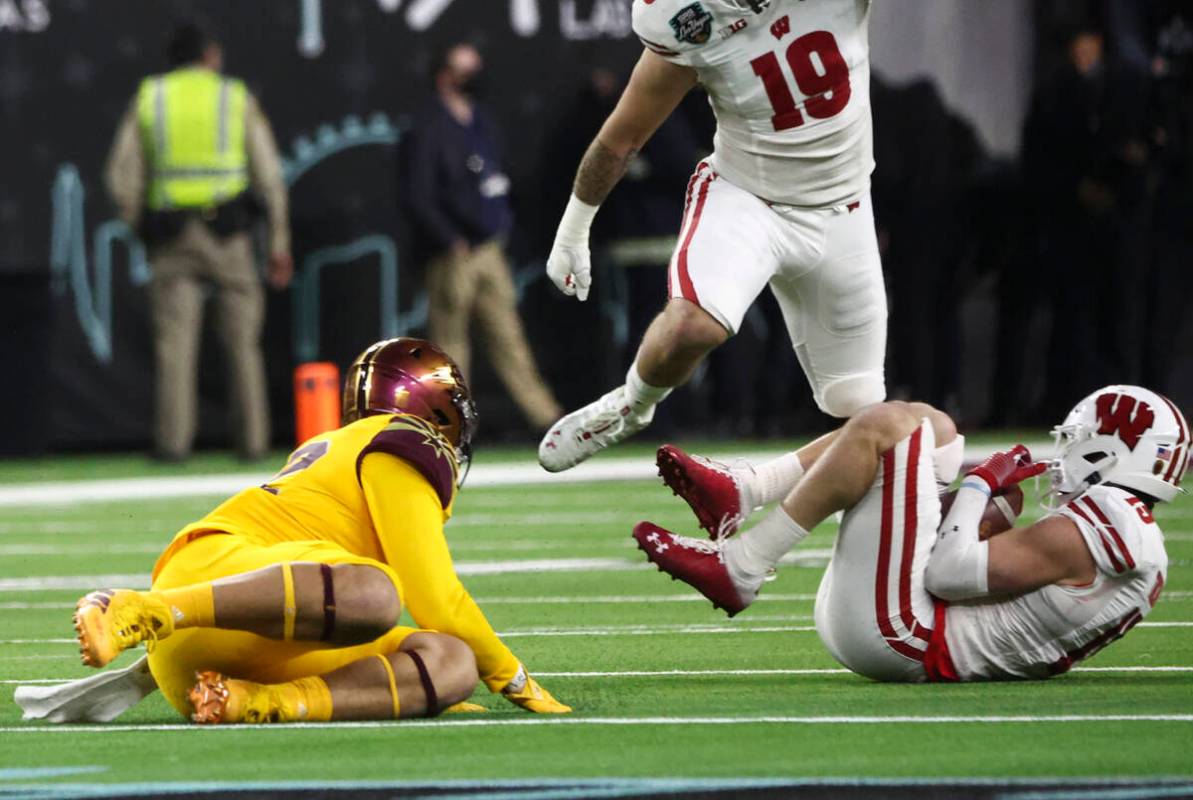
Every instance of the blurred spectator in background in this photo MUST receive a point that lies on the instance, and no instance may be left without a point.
(1084, 158)
(634, 239)
(189, 154)
(926, 157)
(457, 196)
(1167, 31)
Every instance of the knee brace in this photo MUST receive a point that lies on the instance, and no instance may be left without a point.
(844, 397)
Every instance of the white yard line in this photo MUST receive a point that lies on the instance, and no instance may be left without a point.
(634, 599)
(697, 673)
(542, 719)
(65, 493)
(496, 546)
(465, 568)
(98, 548)
(703, 673)
(635, 631)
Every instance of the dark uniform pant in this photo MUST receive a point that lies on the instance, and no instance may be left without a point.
(182, 269)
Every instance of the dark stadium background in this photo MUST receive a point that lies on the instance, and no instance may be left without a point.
(69, 67)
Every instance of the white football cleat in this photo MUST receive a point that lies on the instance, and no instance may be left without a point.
(584, 433)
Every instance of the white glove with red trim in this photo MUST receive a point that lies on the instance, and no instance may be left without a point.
(570, 264)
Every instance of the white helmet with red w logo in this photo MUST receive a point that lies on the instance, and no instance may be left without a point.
(1125, 435)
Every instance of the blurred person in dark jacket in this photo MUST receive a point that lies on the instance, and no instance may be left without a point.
(926, 156)
(1167, 29)
(193, 157)
(1084, 157)
(456, 194)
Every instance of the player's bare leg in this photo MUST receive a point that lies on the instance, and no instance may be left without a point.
(730, 572)
(342, 604)
(426, 674)
(674, 345)
(676, 342)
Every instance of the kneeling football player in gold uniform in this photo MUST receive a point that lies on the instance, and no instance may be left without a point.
(282, 604)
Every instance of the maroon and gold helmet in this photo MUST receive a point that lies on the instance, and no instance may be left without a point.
(413, 376)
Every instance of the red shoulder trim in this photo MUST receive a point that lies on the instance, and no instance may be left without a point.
(1122, 546)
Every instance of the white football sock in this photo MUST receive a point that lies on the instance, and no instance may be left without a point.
(642, 396)
(769, 482)
(751, 554)
(947, 460)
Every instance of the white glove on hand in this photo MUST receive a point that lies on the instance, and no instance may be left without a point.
(570, 266)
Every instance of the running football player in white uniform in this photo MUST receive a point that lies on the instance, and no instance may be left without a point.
(783, 201)
(906, 598)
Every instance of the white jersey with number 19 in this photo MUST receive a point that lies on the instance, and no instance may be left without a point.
(790, 88)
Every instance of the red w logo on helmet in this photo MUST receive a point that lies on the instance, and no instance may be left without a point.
(1121, 415)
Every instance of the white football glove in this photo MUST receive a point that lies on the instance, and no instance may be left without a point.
(570, 265)
(570, 269)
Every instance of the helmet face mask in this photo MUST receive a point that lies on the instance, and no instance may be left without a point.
(413, 376)
(1125, 435)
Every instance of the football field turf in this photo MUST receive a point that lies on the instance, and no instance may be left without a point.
(663, 686)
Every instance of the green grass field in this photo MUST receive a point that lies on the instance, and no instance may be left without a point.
(663, 686)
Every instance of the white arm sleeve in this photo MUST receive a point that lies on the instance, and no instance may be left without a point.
(958, 564)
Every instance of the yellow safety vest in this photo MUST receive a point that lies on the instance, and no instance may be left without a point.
(193, 130)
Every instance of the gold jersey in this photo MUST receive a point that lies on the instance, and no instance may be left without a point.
(380, 488)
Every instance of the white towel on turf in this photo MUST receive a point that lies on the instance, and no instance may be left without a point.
(100, 698)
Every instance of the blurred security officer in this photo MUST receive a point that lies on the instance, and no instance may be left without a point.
(458, 199)
(191, 146)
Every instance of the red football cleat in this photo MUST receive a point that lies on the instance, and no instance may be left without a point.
(696, 562)
(709, 488)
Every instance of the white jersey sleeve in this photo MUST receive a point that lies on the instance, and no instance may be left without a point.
(1115, 526)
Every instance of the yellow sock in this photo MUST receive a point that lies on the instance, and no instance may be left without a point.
(393, 685)
(191, 606)
(313, 702)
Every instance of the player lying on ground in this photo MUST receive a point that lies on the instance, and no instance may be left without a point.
(283, 603)
(906, 598)
(783, 201)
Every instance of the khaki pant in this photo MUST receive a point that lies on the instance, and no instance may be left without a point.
(181, 271)
(480, 286)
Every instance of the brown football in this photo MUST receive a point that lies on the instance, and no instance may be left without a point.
(1000, 514)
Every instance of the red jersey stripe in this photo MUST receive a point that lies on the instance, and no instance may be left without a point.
(687, 209)
(884, 546)
(1180, 457)
(910, 526)
(1114, 561)
(881, 582)
(685, 279)
(1122, 546)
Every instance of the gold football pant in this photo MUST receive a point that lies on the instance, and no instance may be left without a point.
(175, 660)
